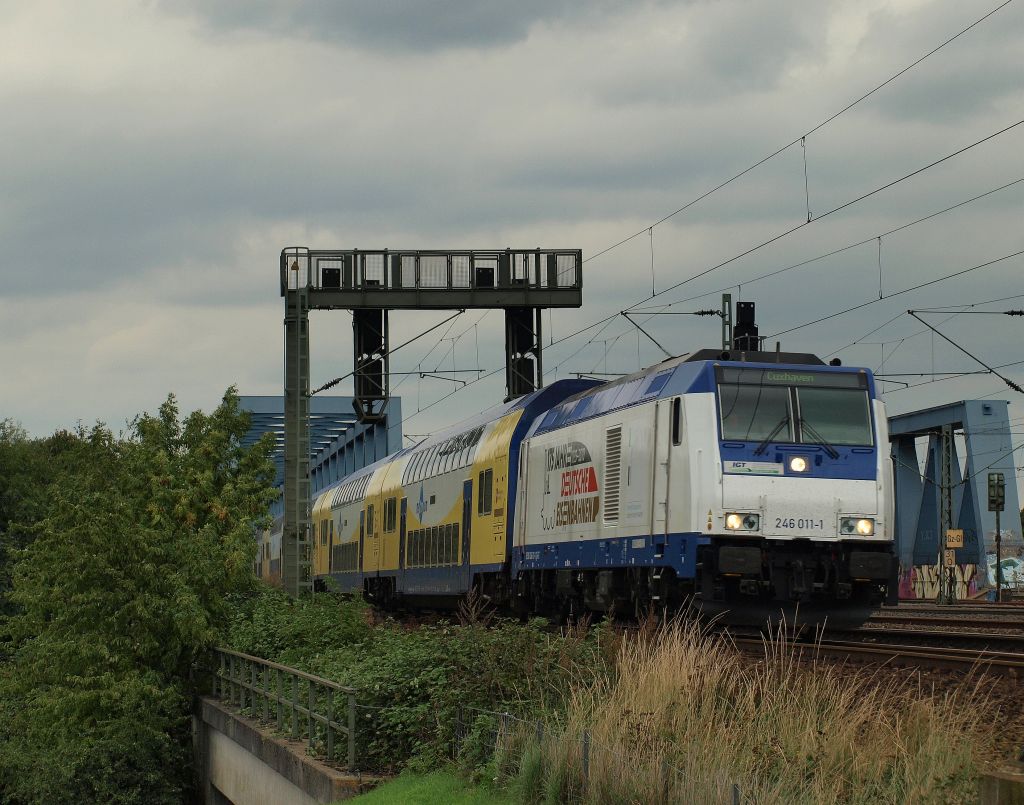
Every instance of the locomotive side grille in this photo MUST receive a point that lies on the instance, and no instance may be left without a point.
(612, 473)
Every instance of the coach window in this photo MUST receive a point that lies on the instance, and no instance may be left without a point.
(677, 421)
(330, 529)
(485, 489)
(369, 519)
(389, 515)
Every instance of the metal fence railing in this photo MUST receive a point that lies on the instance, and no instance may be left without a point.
(303, 705)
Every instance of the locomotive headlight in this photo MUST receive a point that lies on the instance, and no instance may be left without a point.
(861, 526)
(798, 464)
(743, 522)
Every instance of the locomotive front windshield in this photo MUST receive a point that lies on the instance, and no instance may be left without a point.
(790, 406)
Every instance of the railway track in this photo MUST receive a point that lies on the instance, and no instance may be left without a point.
(956, 659)
(1013, 620)
(933, 638)
(963, 606)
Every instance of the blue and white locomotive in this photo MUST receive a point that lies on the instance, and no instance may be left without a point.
(762, 480)
(720, 477)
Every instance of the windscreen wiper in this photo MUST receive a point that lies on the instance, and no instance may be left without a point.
(806, 426)
(775, 432)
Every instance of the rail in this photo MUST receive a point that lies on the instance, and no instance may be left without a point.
(304, 704)
(997, 662)
(1006, 621)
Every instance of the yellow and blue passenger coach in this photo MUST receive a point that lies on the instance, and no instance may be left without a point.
(431, 520)
(760, 480)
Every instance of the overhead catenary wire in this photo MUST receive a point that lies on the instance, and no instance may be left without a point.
(983, 312)
(649, 336)
(843, 206)
(963, 309)
(956, 376)
(806, 134)
(842, 249)
(332, 383)
(898, 293)
(941, 335)
(944, 308)
(634, 309)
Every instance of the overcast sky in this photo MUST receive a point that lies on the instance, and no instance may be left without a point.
(158, 155)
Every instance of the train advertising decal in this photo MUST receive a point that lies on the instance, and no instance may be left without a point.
(569, 473)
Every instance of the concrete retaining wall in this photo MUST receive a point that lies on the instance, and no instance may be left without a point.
(240, 762)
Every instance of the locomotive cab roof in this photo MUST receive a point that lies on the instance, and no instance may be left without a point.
(682, 374)
(757, 356)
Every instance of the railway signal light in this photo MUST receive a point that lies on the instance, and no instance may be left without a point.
(996, 503)
(996, 492)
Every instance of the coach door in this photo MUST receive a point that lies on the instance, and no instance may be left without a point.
(362, 541)
(660, 469)
(329, 560)
(401, 538)
(467, 519)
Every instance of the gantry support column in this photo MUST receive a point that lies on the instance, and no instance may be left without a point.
(371, 361)
(524, 372)
(295, 552)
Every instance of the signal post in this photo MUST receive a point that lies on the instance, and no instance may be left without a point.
(996, 503)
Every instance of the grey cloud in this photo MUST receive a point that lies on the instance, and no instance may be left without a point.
(425, 25)
(970, 76)
(722, 50)
(177, 192)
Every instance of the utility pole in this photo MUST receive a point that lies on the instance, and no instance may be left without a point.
(996, 503)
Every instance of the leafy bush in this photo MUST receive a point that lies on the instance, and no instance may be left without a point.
(116, 601)
(270, 624)
(414, 683)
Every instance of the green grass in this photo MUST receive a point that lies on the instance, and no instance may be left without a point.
(436, 788)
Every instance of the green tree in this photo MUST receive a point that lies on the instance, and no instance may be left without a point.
(24, 477)
(118, 597)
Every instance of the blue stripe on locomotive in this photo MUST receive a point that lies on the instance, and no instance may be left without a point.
(677, 551)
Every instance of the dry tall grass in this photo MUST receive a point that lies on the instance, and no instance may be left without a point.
(686, 719)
